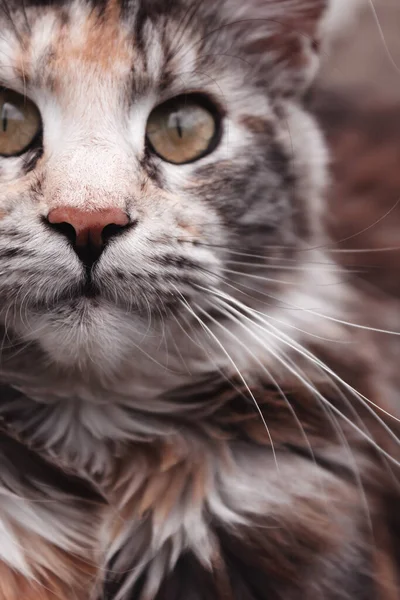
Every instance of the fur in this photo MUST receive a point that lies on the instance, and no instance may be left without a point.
(204, 413)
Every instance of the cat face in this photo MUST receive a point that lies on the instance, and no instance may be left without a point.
(144, 146)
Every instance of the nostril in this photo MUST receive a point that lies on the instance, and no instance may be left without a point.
(110, 231)
(67, 230)
(113, 230)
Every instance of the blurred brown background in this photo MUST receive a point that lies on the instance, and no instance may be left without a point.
(365, 61)
(357, 100)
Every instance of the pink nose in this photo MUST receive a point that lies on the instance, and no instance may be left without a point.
(92, 228)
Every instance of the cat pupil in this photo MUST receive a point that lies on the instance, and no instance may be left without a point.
(4, 118)
(175, 122)
(179, 127)
(10, 111)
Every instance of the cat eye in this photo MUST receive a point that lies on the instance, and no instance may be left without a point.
(183, 129)
(20, 123)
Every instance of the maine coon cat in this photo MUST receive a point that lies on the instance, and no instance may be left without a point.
(194, 398)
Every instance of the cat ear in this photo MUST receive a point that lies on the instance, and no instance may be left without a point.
(284, 38)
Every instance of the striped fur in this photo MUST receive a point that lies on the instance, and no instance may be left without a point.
(212, 421)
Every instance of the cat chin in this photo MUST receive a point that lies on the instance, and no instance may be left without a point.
(92, 338)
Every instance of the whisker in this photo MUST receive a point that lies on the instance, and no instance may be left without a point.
(273, 380)
(325, 408)
(383, 40)
(364, 250)
(212, 359)
(354, 392)
(303, 352)
(241, 292)
(330, 247)
(376, 222)
(195, 342)
(290, 306)
(305, 267)
(349, 324)
(236, 251)
(259, 277)
(221, 346)
(299, 348)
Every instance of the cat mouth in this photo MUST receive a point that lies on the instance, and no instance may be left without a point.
(88, 289)
(107, 289)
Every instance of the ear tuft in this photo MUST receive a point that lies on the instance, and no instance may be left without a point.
(287, 38)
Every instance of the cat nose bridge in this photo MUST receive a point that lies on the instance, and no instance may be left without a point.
(89, 179)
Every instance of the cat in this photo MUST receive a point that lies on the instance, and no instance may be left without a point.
(194, 397)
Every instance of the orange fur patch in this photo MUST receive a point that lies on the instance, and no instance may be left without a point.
(56, 573)
(46, 585)
(171, 472)
(102, 43)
